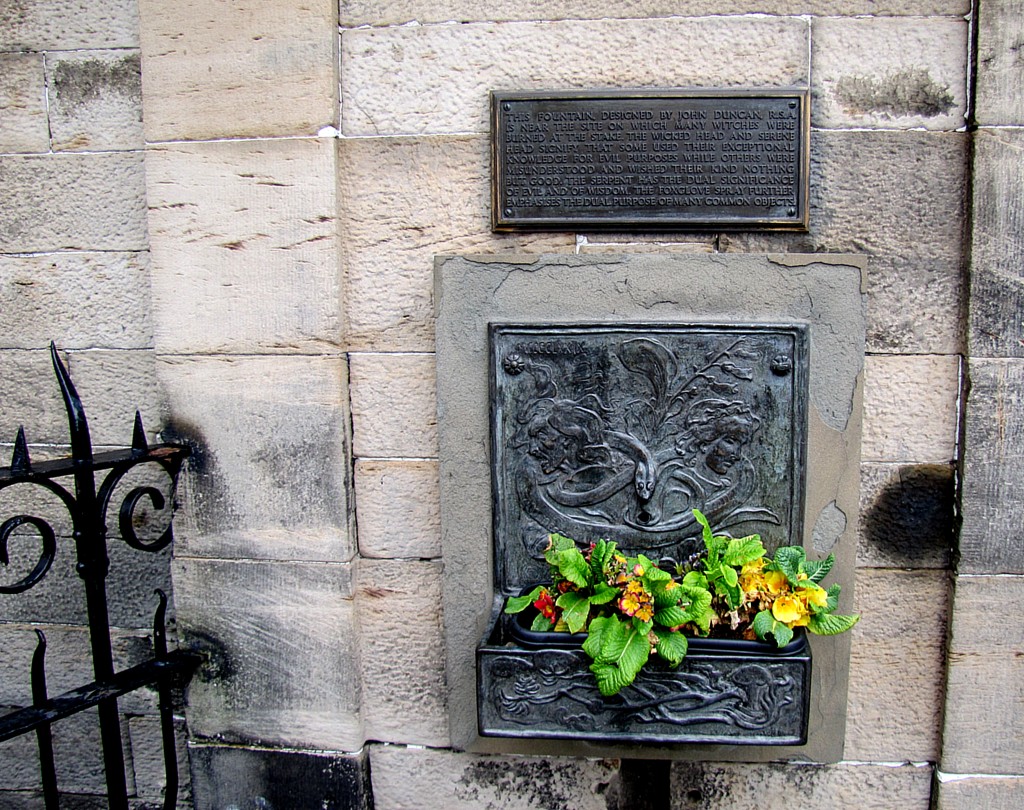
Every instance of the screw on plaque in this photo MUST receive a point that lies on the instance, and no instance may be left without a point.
(792, 105)
(506, 106)
(514, 364)
(791, 212)
(782, 364)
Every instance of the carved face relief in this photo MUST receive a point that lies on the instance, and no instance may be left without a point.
(620, 432)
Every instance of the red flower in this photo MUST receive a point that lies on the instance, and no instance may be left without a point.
(546, 605)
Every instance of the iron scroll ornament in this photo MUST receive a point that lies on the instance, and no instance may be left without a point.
(86, 505)
(618, 432)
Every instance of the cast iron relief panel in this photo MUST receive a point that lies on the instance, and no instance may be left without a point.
(618, 432)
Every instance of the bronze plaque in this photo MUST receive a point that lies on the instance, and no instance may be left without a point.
(655, 160)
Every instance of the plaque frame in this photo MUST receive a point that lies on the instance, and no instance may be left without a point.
(507, 218)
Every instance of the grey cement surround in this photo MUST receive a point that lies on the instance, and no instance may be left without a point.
(824, 291)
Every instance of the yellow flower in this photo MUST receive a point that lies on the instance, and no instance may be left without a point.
(776, 581)
(752, 577)
(812, 594)
(790, 611)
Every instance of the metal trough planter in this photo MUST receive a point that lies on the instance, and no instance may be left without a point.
(726, 691)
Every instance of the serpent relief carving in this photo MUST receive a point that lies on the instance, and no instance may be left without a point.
(620, 433)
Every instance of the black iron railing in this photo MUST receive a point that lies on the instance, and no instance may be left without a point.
(88, 506)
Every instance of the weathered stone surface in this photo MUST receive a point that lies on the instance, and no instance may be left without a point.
(147, 762)
(997, 248)
(68, 24)
(401, 201)
(645, 243)
(268, 478)
(699, 786)
(396, 12)
(907, 514)
(394, 410)
(897, 716)
(397, 509)
(95, 100)
(985, 682)
(23, 126)
(999, 78)
(402, 652)
(419, 779)
(889, 72)
(31, 398)
(990, 792)
(73, 202)
(79, 300)
(993, 484)
(898, 198)
(226, 777)
(243, 246)
(910, 408)
(280, 641)
(434, 79)
(216, 69)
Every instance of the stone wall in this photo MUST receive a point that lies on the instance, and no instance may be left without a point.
(250, 262)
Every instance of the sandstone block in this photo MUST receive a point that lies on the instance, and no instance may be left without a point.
(401, 646)
(396, 12)
(397, 508)
(993, 484)
(68, 24)
(31, 398)
(394, 405)
(243, 246)
(902, 632)
(147, 761)
(889, 72)
(423, 779)
(997, 249)
(268, 478)
(72, 202)
(985, 681)
(990, 792)
(79, 300)
(217, 69)
(23, 125)
(703, 786)
(281, 644)
(95, 100)
(906, 515)
(910, 408)
(999, 80)
(401, 201)
(897, 198)
(434, 79)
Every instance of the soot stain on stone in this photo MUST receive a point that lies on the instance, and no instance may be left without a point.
(532, 782)
(77, 83)
(906, 92)
(913, 514)
(209, 490)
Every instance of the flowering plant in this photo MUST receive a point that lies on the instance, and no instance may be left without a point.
(630, 608)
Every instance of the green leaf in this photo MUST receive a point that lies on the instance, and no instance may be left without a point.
(575, 610)
(603, 551)
(783, 634)
(744, 550)
(817, 570)
(603, 594)
(517, 604)
(695, 579)
(833, 598)
(557, 543)
(672, 616)
(671, 646)
(596, 634)
(789, 560)
(541, 624)
(574, 567)
(666, 594)
(642, 626)
(711, 543)
(730, 576)
(763, 624)
(699, 599)
(624, 651)
(831, 624)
